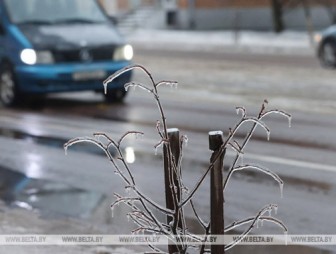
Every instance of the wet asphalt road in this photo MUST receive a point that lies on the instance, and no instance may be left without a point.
(210, 87)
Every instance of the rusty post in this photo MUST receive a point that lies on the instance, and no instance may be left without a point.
(216, 188)
(171, 178)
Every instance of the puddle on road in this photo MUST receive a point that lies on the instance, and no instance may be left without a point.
(57, 199)
(130, 157)
(49, 197)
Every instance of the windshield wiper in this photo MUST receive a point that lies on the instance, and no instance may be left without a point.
(76, 20)
(35, 22)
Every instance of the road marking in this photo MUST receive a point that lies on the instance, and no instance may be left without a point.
(290, 162)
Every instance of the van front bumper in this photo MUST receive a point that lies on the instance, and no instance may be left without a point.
(69, 77)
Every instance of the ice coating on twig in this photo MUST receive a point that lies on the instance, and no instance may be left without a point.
(265, 171)
(269, 218)
(184, 140)
(135, 133)
(160, 144)
(173, 84)
(135, 84)
(254, 222)
(241, 110)
(279, 112)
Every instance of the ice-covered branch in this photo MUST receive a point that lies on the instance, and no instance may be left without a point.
(167, 83)
(262, 114)
(136, 133)
(263, 170)
(268, 208)
(154, 248)
(199, 219)
(236, 147)
(124, 200)
(126, 69)
(241, 110)
(248, 220)
(280, 112)
(141, 204)
(136, 84)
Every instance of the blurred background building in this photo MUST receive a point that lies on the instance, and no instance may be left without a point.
(223, 14)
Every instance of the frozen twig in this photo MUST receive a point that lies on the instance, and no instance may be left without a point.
(263, 170)
(254, 221)
(251, 219)
(199, 219)
(135, 84)
(127, 134)
(167, 83)
(124, 70)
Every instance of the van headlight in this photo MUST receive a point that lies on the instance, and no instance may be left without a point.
(123, 53)
(317, 38)
(31, 57)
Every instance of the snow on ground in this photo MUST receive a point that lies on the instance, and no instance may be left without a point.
(21, 221)
(288, 42)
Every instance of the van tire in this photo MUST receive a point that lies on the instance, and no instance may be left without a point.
(115, 96)
(9, 93)
(327, 54)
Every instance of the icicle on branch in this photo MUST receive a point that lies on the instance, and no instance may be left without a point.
(136, 84)
(167, 83)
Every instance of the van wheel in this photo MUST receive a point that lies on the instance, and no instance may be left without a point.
(9, 94)
(113, 96)
(328, 54)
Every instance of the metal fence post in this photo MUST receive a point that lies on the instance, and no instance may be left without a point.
(216, 188)
(171, 178)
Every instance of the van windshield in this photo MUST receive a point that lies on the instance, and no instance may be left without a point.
(54, 11)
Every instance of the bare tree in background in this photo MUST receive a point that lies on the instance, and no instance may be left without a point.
(330, 8)
(277, 13)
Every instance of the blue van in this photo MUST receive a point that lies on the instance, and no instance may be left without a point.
(49, 46)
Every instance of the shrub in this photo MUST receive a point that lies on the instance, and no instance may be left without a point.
(141, 205)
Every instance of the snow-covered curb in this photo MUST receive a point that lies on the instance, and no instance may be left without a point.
(22, 221)
(290, 42)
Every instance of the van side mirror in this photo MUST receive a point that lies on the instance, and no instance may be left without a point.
(2, 29)
(113, 20)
